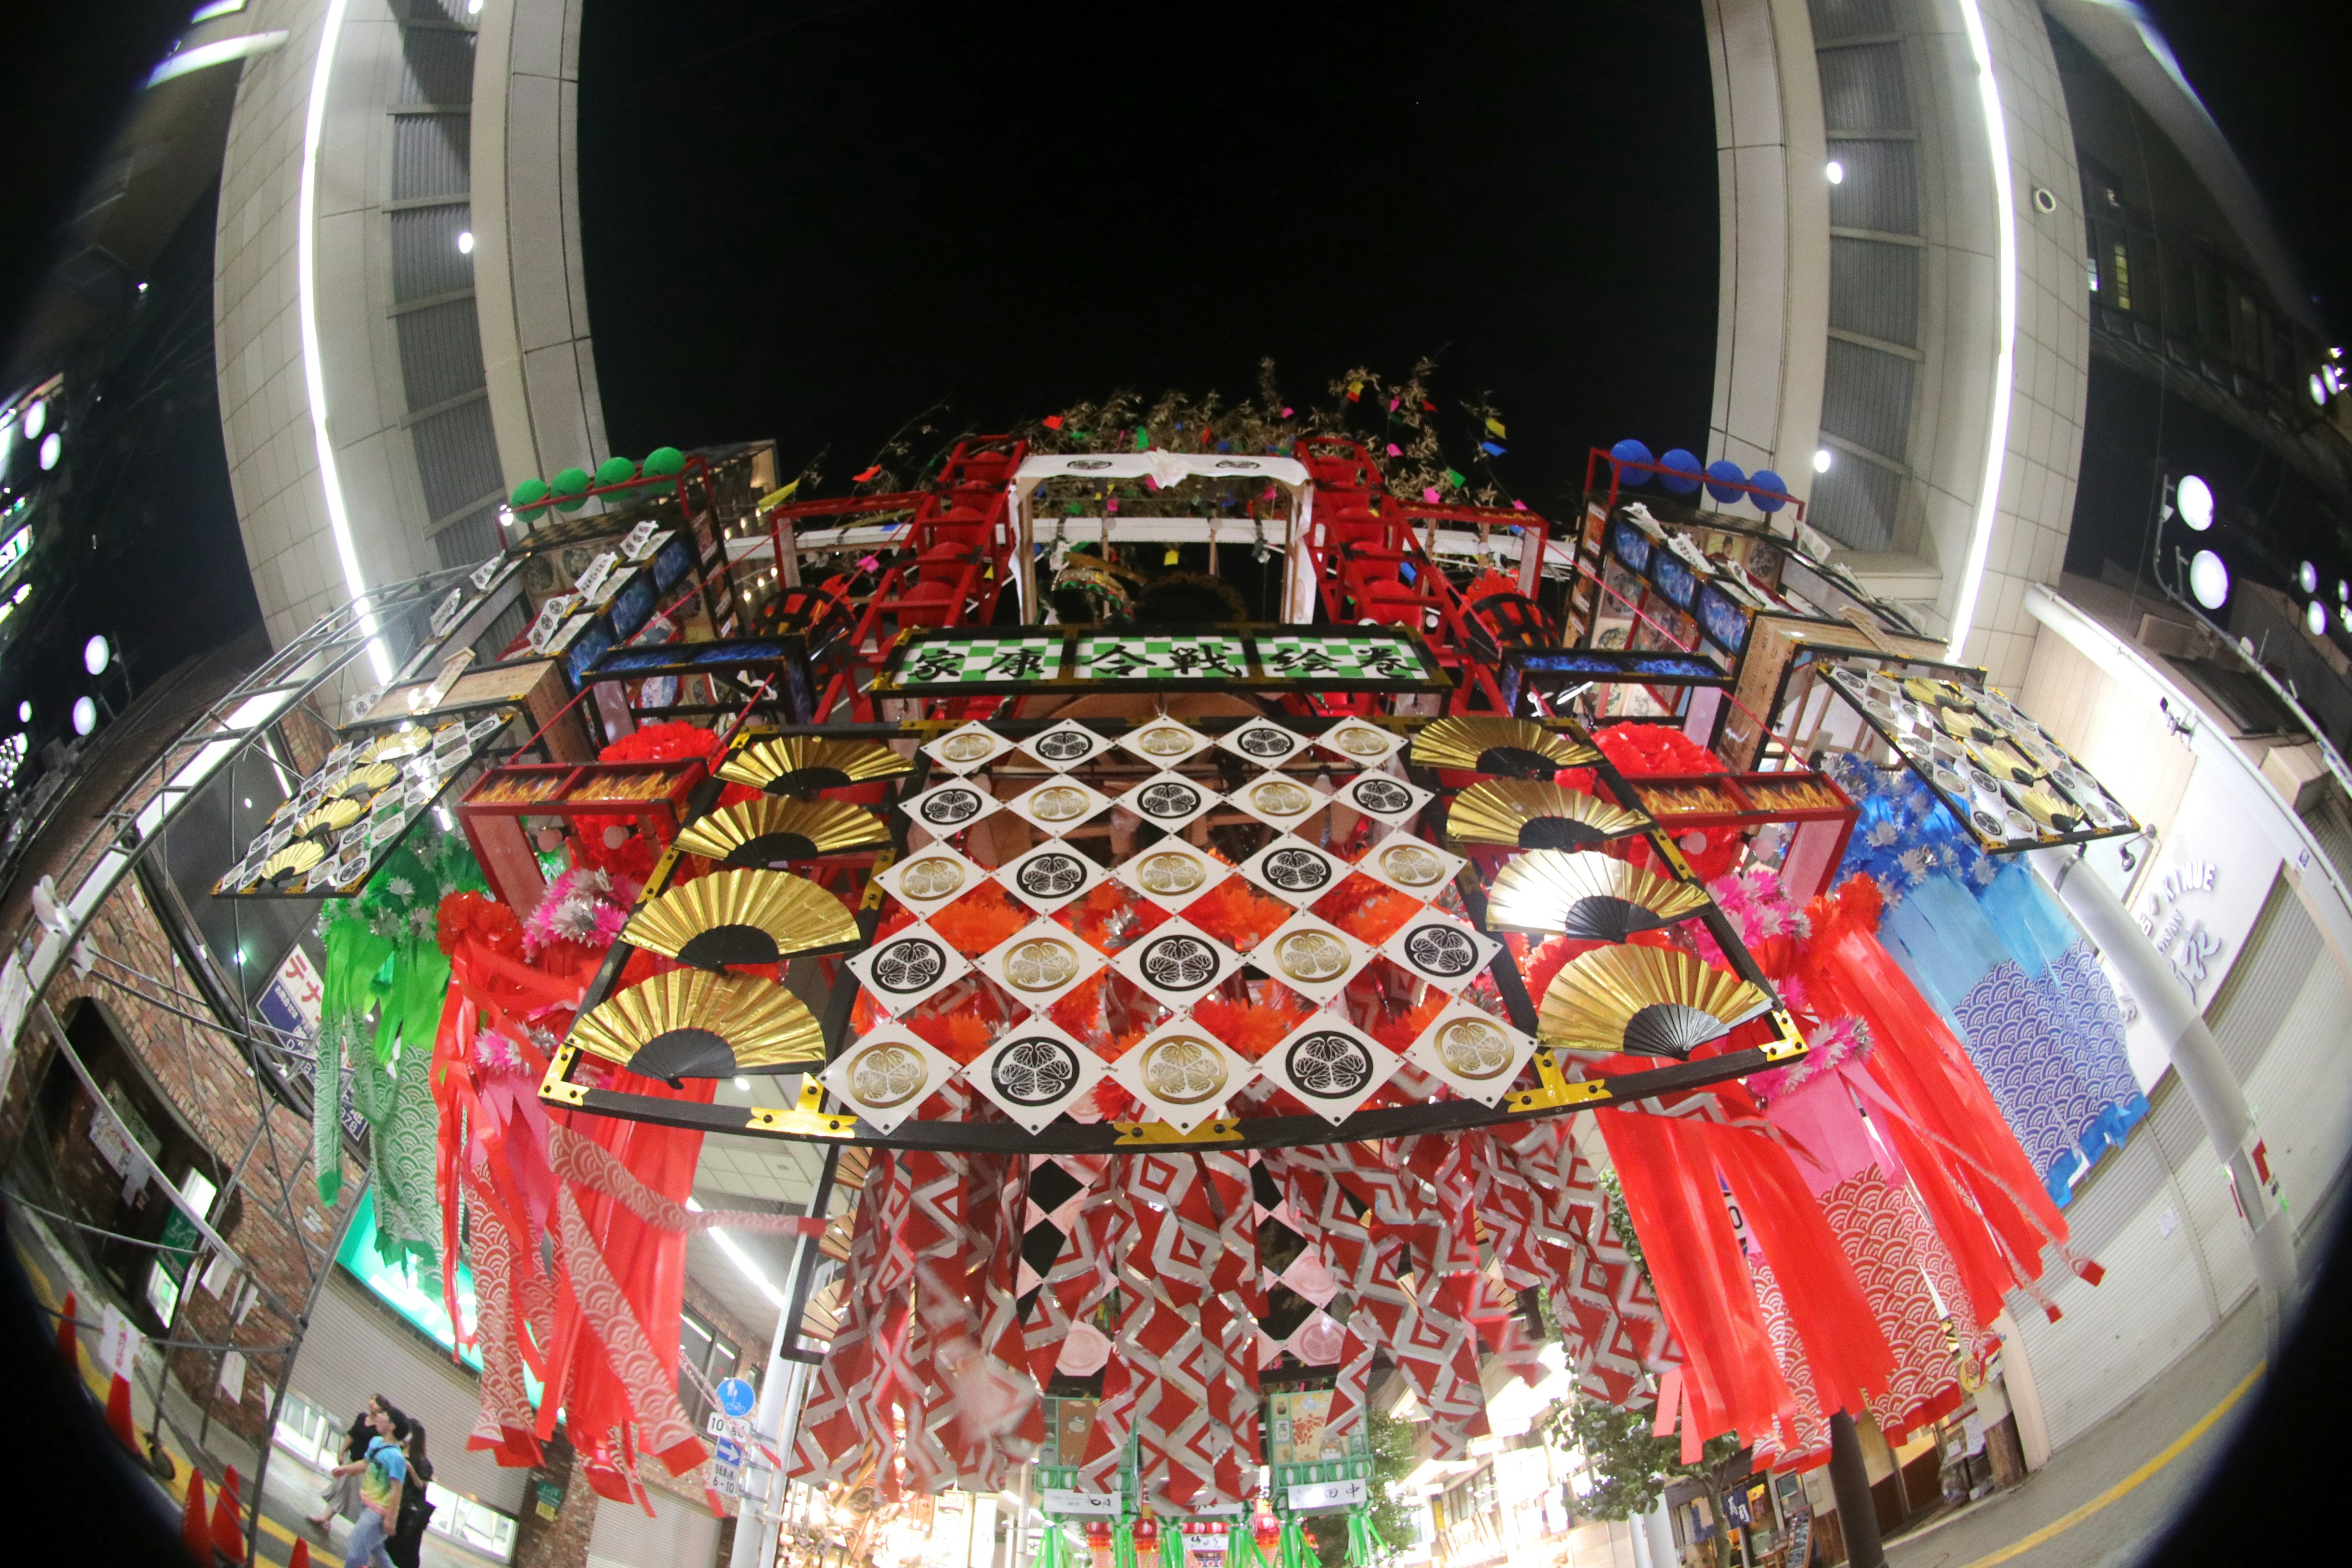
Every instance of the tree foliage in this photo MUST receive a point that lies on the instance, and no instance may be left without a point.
(1631, 1468)
(1395, 1447)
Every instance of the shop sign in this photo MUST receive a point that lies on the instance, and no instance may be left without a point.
(1060, 1501)
(1328, 1494)
(549, 1499)
(2198, 901)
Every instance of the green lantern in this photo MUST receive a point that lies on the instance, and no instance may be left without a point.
(572, 489)
(663, 463)
(614, 471)
(529, 499)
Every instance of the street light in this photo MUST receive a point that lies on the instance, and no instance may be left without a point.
(2208, 579)
(85, 715)
(2194, 497)
(96, 655)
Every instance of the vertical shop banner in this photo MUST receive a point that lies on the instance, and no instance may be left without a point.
(2198, 901)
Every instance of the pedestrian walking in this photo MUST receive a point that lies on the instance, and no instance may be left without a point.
(407, 1538)
(383, 1473)
(343, 1493)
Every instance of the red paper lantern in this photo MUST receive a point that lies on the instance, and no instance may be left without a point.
(1147, 1537)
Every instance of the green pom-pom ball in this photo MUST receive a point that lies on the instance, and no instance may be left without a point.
(572, 489)
(614, 471)
(530, 498)
(665, 462)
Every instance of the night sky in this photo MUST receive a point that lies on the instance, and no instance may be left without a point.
(813, 229)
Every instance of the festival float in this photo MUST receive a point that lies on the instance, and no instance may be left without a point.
(1205, 1013)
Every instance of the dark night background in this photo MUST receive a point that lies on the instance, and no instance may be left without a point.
(1015, 207)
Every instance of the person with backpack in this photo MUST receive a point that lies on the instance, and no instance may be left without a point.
(407, 1537)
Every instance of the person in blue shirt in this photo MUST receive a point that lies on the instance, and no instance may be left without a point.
(382, 1471)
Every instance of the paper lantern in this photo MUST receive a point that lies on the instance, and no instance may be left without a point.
(530, 498)
(1682, 474)
(663, 463)
(572, 489)
(615, 471)
(1722, 476)
(1630, 451)
(1774, 488)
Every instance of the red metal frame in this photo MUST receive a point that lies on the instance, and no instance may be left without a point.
(949, 570)
(1370, 566)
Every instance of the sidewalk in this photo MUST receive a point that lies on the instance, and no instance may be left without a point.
(2077, 1510)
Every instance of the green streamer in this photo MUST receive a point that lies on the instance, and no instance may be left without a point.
(1171, 1545)
(1053, 1551)
(1122, 1544)
(1365, 1547)
(1241, 1549)
(1293, 1550)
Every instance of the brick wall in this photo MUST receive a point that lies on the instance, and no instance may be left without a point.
(560, 1542)
(206, 1082)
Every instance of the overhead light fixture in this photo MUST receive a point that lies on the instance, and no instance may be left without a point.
(36, 418)
(25, 712)
(744, 1263)
(2306, 577)
(85, 715)
(2208, 579)
(2194, 497)
(2344, 618)
(1836, 173)
(314, 364)
(1822, 459)
(2318, 390)
(96, 655)
(464, 242)
(2315, 618)
(2004, 362)
(53, 446)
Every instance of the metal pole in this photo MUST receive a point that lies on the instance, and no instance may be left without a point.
(2205, 1074)
(1857, 1514)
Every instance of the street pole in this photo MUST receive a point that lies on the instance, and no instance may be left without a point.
(2205, 1075)
(1857, 1514)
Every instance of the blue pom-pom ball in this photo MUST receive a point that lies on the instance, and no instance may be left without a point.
(1630, 451)
(1722, 475)
(1681, 477)
(1776, 490)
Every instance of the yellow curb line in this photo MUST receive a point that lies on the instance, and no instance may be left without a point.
(2172, 1451)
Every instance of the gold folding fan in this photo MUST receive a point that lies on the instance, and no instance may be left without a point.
(803, 764)
(742, 917)
(333, 816)
(686, 1024)
(368, 779)
(293, 860)
(1590, 896)
(1515, 748)
(1649, 1001)
(760, 833)
(2051, 811)
(1528, 815)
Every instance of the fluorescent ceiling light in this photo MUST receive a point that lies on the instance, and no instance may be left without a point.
(2004, 200)
(217, 9)
(743, 1262)
(219, 53)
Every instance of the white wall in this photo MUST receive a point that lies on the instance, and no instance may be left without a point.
(1773, 302)
(531, 284)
